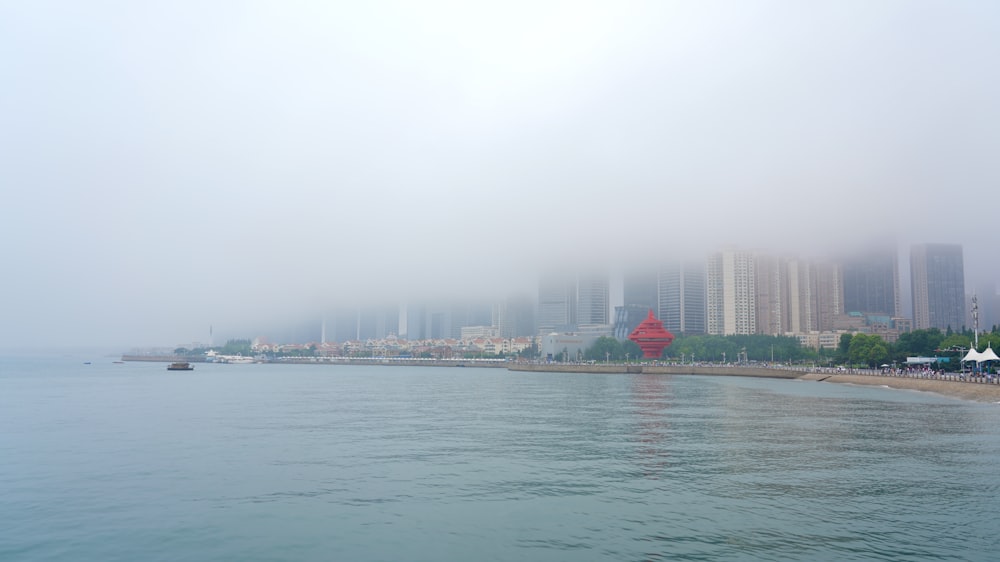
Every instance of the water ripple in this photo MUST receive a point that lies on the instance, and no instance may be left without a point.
(318, 463)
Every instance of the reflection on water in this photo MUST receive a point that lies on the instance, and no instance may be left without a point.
(317, 463)
(651, 398)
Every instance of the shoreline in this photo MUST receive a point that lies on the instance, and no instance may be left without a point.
(970, 391)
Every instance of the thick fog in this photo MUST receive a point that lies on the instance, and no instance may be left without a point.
(170, 166)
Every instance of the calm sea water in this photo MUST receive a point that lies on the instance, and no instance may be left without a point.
(265, 462)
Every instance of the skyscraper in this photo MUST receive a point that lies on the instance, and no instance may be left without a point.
(515, 316)
(802, 308)
(731, 295)
(639, 296)
(829, 295)
(681, 297)
(937, 278)
(378, 321)
(556, 302)
(871, 282)
(795, 295)
(593, 298)
(772, 295)
(639, 289)
(674, 290)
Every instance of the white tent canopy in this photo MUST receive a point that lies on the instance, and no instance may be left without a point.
(972, 355)
(988, 355)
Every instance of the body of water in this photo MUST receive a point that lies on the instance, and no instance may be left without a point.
(126, 462)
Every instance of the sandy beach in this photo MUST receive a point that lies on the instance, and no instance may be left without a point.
(978, 392)
(961, 390)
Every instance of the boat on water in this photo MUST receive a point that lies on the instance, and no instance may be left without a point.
(180, 367)
(237, 359)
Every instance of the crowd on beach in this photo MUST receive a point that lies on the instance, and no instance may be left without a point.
(913, 372)
(923, 371)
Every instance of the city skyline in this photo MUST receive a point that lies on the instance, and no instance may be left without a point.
(787, 295)
(281, 159)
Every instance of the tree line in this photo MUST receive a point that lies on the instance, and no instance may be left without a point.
(856, 350)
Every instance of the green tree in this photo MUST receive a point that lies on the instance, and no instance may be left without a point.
(530, 352)
(236, 347)
(631, 350)
(757, 347)
(845, 344)
(869, 350)
(605, 348)
(918, 343)
(989, 339)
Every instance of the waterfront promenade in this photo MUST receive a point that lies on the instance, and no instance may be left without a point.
(978, 389)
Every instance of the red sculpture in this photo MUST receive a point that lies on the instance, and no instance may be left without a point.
(651, 337)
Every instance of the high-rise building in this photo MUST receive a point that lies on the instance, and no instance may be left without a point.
(681, 297)
(443, 319)
(639, 296)
(464, 313)
(640, 289)
(829, 295)
(418, 321)
(378, 321)
(556, 302)
(871, 282)
(772, 299)
(937, 278)
(795, 295)
(515, 317)
(593, 299)
(674, 290)
(627, 318)
(801, 306)
(344, 322)
(731, 293)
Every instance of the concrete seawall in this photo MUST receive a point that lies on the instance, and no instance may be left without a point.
(395, 362)
(977, 391)
(728, 371)
(163, 358)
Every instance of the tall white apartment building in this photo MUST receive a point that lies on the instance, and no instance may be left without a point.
(795, 295)
(731, 296)
(772, 303)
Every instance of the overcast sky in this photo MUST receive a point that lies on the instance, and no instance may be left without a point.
(166, 166)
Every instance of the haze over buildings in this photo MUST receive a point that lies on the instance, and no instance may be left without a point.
(938, 276)
(168, 167)
(730, 292)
